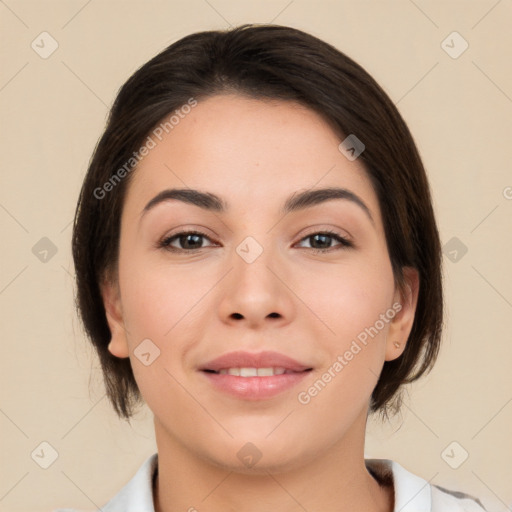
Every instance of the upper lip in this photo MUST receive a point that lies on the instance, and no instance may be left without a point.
(268, 359)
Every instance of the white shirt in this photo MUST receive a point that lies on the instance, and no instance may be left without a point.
(412, 493)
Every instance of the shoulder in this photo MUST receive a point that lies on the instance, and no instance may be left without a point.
(136, 495)
(415, 494)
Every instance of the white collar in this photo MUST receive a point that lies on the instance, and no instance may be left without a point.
(412, 493)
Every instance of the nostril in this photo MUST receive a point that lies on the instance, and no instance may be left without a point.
(237, 315)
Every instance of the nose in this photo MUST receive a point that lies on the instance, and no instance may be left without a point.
(256, 293)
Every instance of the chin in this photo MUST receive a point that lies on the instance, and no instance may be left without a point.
(260, 454)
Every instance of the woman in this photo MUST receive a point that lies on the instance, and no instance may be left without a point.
(257, 259)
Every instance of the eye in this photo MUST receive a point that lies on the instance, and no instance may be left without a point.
(322, 241)
(187, 241)
(190, 241)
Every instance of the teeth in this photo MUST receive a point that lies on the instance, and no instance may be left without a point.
(248, 372)
(253, 372)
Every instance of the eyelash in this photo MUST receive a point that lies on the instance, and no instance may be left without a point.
(165, 242)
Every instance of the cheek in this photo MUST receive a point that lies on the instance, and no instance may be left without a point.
(157, 297)
(356, 304)
(158, 304)
(359, 313)
(166, 305)
(352, 298)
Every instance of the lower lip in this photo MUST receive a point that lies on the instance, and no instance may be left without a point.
(255, 388)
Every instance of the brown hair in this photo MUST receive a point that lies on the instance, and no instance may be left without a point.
(274, 62)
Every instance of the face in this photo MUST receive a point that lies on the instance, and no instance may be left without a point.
(270, 321)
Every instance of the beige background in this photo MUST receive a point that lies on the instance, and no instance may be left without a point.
(53, 111)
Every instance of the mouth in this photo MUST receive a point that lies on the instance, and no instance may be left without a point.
(250, 376)
(254, 372)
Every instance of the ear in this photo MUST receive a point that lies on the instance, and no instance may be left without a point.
(118, 345)
(401, 324)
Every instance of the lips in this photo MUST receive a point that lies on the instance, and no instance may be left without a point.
(254, 376)
(253, 372)
(258, 360)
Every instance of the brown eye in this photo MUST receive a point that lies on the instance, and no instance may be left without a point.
(187, 241)
(322, 241)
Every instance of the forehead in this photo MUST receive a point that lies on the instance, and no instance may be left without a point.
(250, 152)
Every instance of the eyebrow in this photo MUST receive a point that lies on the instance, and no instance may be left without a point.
(297, 201)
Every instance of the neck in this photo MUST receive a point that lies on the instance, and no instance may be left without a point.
(335, 481)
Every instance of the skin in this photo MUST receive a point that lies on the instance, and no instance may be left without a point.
(308, 305)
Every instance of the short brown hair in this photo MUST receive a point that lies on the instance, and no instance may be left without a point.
(271, 62)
